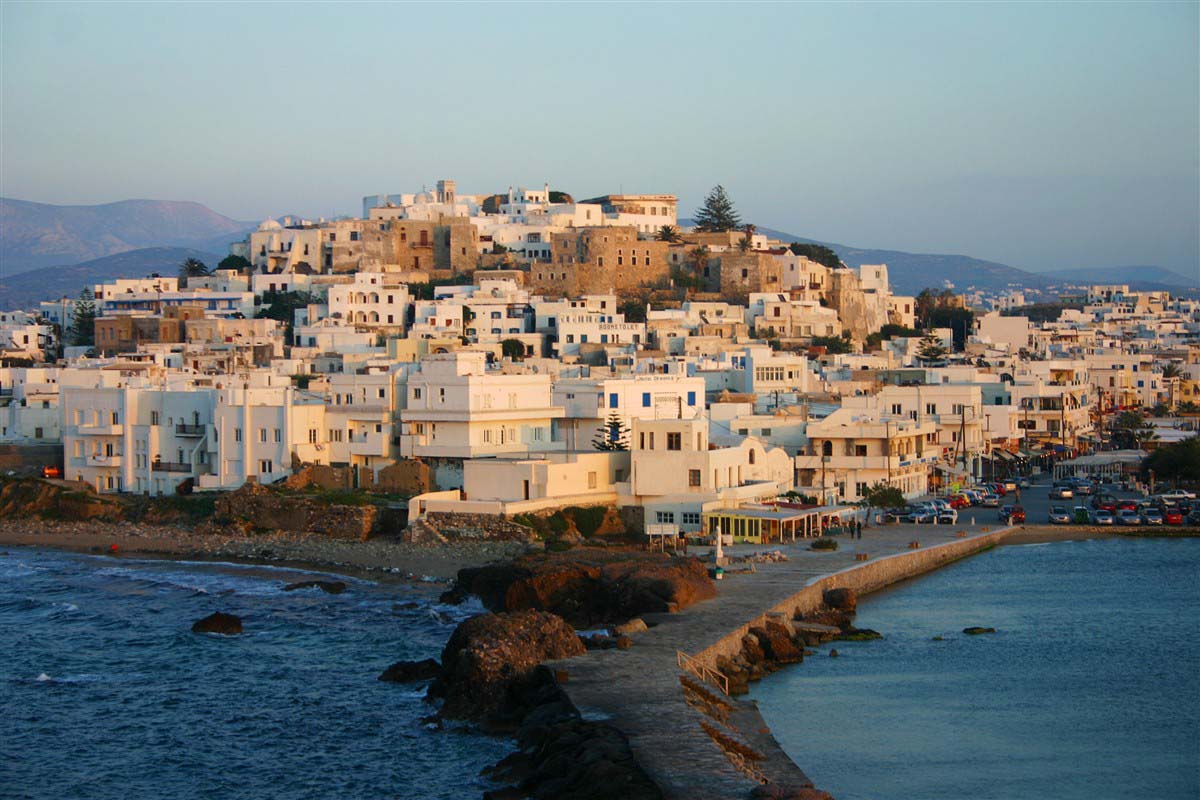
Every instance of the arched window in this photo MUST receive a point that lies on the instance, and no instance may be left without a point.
(827, 449)
(751, 455)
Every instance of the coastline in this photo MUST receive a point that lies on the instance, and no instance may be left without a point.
(375, 558)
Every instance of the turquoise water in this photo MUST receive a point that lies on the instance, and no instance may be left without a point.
(1089, 689)
(107, 695)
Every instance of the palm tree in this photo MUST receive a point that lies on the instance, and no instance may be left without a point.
(1171, 373)
(668, 233)
(747, 241)
(192, 268)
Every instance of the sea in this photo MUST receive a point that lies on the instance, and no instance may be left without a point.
(1089, 689)
(106, 694)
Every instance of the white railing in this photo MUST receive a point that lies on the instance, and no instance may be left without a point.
(702, 671)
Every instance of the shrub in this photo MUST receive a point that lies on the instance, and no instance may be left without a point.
(824, 544)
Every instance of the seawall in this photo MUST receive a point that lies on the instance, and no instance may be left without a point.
(639, 690)
(863, 578)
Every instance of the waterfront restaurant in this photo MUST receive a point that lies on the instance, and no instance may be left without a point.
(762, 524)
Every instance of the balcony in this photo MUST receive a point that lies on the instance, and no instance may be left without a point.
(171, 466)
(371, 444)
(101, 460)
(100, 429)
(190, 430)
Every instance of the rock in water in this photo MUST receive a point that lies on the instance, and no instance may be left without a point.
(410, 671)
(225, 624)
(490, 655)
(329, 587)
(841, 599)
(976, 630)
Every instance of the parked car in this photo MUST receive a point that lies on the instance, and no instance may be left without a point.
(999, 489)
(947, 516)
(1082, 515)
(1128, 516)
(960, 501)
(1173, 516)
(990, 500)
(1023, 483)
(1016, 515)
(1059, 516)
(1151, 516)
(1061, 492)
(1178, 494)
(1102, 516)
(1105, 501)
(1127, 505)
(51, 471)
(1083, 487)
(1194, 517)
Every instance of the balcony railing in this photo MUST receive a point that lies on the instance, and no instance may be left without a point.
(170, 466)
(190, 430)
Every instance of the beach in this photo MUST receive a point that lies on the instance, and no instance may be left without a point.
(379, 557)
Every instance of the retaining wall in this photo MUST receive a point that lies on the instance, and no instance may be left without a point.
(862, 578)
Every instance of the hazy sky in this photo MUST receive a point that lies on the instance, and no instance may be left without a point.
(1038, 135)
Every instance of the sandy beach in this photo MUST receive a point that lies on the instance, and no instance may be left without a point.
(377, 557)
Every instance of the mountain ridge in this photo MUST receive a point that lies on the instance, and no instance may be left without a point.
(35, 235)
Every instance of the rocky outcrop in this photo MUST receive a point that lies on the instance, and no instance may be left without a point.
(329, 587)
(975, 630)
(490, 657)
(412, 671)
(840, 600)
(264, 508)
(440, 527)
(565, 757)
(587, 589)
(217, 622)
(30, 497)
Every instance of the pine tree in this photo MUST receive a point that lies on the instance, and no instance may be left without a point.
(931, 349)
(613, 436)
(83, 320)
(718, 214)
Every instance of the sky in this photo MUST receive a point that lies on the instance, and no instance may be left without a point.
(1039, 135)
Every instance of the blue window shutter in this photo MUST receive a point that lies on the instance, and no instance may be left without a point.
(645, 399)
(612, 400)
(691, 398)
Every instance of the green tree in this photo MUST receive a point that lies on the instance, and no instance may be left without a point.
(883, 496)
(747, 241)
(668, 233)
(613, 436)
(816, 252)
(717, 215)
(634, 310)
(931, 349)
(834, 345)
(1130, 429)
(1172, 370)
(698, 257)
(943, 310)
(83, 320)
(192, 268)
(282, 306)
(513, 348)
(236, 263)
(1175, 462)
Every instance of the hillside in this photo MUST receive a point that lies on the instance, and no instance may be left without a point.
(1131, 275)
(27, 289)
(34, 235)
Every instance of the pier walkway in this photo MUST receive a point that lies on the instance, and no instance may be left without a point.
(638, 690)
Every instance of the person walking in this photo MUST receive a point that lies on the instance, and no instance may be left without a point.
(858, 528)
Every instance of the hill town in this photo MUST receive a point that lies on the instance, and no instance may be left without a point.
(516, 353)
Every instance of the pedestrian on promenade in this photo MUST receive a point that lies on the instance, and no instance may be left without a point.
(858, 528)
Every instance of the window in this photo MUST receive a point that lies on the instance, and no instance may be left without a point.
(691, 517)
(860, 489)
(664, 517)
(645, 399)
(693, 477)
(154, 418)
(262, 434)
(237, 434)
(897, 409)
(691, 398)
(312, 435)
(674, 441)
(591, 480)
(860, 450)
(931, 408)
(278, 436)
(613, 400)
(752, 455)
(265, 467)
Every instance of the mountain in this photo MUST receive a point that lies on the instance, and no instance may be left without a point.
(27, 289)
(1130, 275)
(34, 235)
(909, 273)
